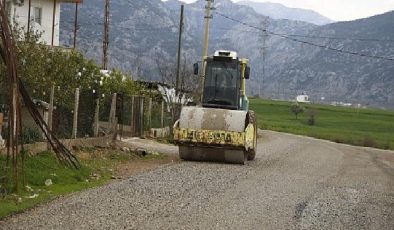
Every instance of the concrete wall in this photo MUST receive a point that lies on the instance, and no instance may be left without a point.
(302, 98)
(101, 142)
(28, 121)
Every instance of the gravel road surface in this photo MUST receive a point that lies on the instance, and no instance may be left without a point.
(294, 183)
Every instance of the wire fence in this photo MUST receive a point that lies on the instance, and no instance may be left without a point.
(94, 115)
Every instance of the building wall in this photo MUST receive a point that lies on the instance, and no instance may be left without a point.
(20, 15)
(302, 98)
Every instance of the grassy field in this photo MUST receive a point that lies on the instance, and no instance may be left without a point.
(362, 127)
(98, 166)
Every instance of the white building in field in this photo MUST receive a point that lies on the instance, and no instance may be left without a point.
(303, 98)
(44, 16)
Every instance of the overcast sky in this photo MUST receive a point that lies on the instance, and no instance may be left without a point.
(338, 10)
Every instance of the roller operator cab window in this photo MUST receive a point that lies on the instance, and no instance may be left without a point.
(222, 82)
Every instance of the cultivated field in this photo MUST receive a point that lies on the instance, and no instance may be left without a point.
(363, 127)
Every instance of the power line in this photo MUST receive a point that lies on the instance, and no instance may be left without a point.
(288, 37)
(313, 37)
(250, 31)
(341, 38)
(222, 28)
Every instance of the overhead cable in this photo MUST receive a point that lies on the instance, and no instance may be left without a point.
(288, 37)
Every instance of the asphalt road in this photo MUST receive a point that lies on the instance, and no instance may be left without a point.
(294, 183)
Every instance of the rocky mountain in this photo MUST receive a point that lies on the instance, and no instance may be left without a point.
(137, 30)
(143, 32)
(279, 11)
(343, 77)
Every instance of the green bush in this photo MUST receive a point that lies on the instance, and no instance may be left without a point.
(31, 135)
(41, 67)
(296, 109)
(312, 113)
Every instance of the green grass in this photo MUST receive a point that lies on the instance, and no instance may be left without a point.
(65, 180)
(362, 127)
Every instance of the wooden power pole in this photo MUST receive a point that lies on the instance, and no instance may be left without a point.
(207, 17)
(75, 25)
(178, 69)
(28, 19)
(263, 53)
(106, 36)
(53, 23)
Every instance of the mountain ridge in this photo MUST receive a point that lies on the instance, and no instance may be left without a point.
(280, 11)
(143, 31)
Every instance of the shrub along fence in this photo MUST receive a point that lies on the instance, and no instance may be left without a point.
(95, 115)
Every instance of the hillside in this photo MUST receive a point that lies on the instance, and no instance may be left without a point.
(279, 11)
(342, 77)
(143, 31)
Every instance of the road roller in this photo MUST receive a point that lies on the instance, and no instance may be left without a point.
(221, 128)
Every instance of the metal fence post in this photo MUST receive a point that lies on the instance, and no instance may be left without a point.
(97, 117)
(112, 114)
(75, 121)
(142, 116)
(162, 114)
(132, 125)
(1, 122)
(150, 113)
(50, 112)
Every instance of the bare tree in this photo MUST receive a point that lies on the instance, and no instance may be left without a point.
(167, 74)
(166, 69)
(189, 82)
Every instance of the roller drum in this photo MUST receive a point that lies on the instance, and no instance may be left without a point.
(213, 119)
(196, 153)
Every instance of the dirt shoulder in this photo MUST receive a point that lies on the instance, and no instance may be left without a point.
(99, 166)
(153, 148)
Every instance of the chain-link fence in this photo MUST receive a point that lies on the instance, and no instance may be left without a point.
(139, 115)
(79, 118)
(95, 115)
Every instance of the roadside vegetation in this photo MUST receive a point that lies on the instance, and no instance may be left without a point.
(41, 68)
(361, 127)
(47, 179)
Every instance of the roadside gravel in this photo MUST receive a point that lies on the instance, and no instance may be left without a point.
(294, 183)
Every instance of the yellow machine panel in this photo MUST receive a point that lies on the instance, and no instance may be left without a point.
(216, 137)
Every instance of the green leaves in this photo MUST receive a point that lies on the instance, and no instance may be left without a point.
(296, 109)
(41, 66)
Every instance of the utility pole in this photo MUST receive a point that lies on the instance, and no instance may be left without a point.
(28, 19)
(53, 22)
(179, 52)
(263, 50)
(207, 18)
(106, 36)
(75, 25)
